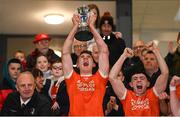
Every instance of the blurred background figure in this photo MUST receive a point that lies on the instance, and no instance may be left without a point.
(111, 104)
(42, 43)
(11, 72)
(19, 54)
(77, 48)
(94, 8)
(114, 42)
(138, 47)
(52, 85)
(38, 77)
(173, 58)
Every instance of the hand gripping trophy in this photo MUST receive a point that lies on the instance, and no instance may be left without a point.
(83, 33)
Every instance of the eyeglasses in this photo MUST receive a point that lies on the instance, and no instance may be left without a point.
(80, 46)
(56, 68)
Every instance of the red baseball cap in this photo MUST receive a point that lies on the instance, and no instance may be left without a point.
(41, 36)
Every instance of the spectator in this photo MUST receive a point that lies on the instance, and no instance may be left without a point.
(141, 101)
(38, 77)
(173, 58)
(111, 103)
(26, 101)
(19, 54)
(174, 99)
(95, 53)
(94, 8)
(165, 104)
(153, 71)
(52, 85)
(42, 42)
(10, 73)
(86, 91)
(78, 47)
(43, 64)
(115, 45)
(151, 67)
(138, 47)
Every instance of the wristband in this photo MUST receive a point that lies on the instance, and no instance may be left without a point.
(172, 88)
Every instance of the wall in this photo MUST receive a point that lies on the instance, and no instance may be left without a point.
(26, 44)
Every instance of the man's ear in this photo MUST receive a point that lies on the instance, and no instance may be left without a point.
(148, 84)
(17, 87)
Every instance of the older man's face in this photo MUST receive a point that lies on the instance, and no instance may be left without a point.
(25, 86)
(43, 46)
(79, 46)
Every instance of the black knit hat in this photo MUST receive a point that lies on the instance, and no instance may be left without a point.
(106, 19)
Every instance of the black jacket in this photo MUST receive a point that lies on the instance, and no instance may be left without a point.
(115, 46)
(38, 105)
(173, 62)
(63, 99)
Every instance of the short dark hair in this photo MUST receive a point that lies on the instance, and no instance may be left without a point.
(37, 73)
(59, 60)
(87, 52)
(134, 70)
(14, 60)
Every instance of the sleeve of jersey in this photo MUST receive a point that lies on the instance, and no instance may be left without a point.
(70, 78)
(103, 78)
(125, 98)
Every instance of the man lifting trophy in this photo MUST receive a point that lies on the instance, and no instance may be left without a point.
(83, 33)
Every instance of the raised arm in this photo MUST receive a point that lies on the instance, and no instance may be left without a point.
(102, 47)
(161, 81)
(117, 84)
(174, 100)
(66, 50)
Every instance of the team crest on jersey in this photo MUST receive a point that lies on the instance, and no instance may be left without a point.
(139, 104)
(86, 86)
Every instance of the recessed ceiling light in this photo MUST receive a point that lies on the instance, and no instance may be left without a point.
(54, 19)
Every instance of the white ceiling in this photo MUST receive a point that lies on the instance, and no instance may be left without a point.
(155, 14)
(26, 16)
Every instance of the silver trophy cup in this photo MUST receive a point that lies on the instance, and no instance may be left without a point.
(83, 33)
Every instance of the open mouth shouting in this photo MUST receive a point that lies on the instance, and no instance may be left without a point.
(139, 87)
(86, 63)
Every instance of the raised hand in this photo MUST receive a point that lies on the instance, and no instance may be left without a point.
(91, 19)
(171, 47)
(118, 34)
(76, 19)
(55, 106)
(128, 52)
(152, 46)
(175, 81)
(163, 96)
